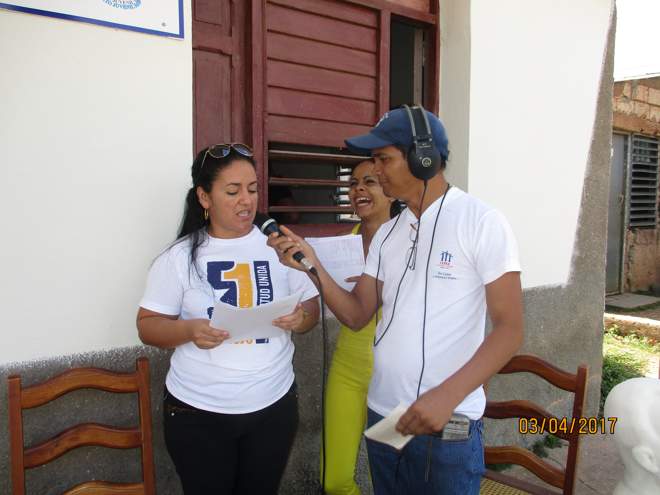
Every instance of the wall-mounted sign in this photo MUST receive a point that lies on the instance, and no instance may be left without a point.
(161, 17)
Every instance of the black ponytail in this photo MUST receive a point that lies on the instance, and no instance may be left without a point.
(193, 215)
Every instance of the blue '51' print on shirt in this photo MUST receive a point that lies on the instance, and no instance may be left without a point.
(235, 282)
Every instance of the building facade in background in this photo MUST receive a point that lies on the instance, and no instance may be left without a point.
(633, 245)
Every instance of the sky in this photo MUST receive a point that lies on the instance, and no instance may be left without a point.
(637, 38)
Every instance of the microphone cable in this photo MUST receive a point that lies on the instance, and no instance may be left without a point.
(324, 377)
(267, 226)
(324, 373)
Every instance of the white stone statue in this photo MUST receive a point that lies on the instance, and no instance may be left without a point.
(636, 405)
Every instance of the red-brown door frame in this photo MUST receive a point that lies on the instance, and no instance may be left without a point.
(219, 32)
(258, 112)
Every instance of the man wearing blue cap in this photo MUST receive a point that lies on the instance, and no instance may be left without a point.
(437, 268)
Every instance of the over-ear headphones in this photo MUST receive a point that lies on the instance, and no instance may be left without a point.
(423, 158)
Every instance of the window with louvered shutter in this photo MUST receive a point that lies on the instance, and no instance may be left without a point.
(643, 194)
(328, 78)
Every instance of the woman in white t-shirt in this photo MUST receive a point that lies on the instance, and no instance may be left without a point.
(230, 406)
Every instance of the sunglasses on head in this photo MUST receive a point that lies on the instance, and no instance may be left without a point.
(223, 150)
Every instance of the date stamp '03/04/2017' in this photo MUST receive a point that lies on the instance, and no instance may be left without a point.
(567, 426)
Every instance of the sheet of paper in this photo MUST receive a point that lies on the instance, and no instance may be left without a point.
(341, 256)
(384, 431)
(255, 322)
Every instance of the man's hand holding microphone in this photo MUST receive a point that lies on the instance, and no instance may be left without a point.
(292, 250)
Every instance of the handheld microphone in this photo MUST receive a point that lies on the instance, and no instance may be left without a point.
(269, 226)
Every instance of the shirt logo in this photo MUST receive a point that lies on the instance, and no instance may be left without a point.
(234, 282)
(444, 267)
(445, 260)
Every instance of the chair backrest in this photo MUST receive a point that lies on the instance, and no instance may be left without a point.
(86, 433)
(569, 430)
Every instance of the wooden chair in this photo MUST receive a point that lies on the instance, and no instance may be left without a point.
(564, 479)
(82, 434)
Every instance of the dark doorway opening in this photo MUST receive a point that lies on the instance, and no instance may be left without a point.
(408, 49)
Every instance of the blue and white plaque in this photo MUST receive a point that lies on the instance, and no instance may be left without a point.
(160, 17)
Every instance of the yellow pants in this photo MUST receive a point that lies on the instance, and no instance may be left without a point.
(346, 407)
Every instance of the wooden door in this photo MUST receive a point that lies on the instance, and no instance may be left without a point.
(219, 72)
(616, 214)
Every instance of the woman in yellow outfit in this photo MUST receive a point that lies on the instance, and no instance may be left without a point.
(350, 371)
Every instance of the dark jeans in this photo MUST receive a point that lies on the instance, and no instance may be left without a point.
(239, 454)
(427, 464)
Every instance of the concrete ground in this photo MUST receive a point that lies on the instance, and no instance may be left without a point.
(600, 468)
(630, 301)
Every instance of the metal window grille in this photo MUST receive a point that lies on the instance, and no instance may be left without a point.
(643, 197)
(315, 182)
(344, 174)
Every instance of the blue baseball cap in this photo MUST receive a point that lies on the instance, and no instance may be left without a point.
(394, 128)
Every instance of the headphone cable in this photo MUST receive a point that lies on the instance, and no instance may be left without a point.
(413, 251)
(426, 284)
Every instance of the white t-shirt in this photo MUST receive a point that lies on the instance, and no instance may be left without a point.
(232, 378)
(473, 246)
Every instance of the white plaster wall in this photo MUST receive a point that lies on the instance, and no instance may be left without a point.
(455, 86)
(535, 73)
(95, 148)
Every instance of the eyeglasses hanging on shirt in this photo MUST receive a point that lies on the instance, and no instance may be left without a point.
(411, 256)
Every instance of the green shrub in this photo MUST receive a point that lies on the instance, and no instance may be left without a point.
(618, 367)
(552, 442)
(539, 448)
